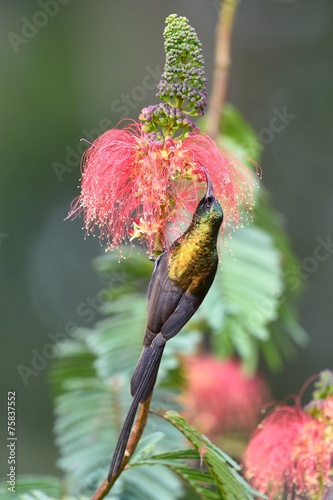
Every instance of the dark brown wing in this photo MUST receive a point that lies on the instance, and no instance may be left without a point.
(186, 307)
(163, 298)
(170, 308)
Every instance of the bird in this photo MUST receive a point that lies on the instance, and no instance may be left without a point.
(181, 278)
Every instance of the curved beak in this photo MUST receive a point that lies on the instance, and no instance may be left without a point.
(210, 191)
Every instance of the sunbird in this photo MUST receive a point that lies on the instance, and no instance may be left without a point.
(181, 278)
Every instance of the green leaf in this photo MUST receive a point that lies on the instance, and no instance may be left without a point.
(237, 134)
(245, 295)
(221, 480)
(200, 481)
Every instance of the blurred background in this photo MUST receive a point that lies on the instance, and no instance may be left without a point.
(73, 69)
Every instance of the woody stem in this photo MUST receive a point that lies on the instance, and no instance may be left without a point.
(133, 441)
(221, 66)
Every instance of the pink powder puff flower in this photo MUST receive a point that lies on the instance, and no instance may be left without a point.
(327, 411)
(312, 455)
(220, 397)
(290, 456)
(134, 186)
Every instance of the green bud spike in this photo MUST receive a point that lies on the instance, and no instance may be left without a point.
(182, 86)
(183, 83)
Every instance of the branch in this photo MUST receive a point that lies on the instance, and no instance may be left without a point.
(138, 428)
(221, 66)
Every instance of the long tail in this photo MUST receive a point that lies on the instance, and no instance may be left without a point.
(141, 382)
(142, 385)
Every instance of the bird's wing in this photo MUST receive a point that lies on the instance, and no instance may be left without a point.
(185, 309)
(163, 299)
(169, 307)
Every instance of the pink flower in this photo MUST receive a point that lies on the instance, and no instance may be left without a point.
(220, 397)
(327, 411)
(134, 186)
(290, 455)
(268, 458)
(313, 454)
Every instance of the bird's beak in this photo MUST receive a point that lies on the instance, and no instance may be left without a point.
(210, 191)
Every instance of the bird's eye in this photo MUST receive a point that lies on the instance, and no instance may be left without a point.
(208, 203)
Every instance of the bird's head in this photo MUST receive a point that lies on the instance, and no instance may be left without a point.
(209, 209)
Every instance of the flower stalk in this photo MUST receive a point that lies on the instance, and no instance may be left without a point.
(221, 66)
